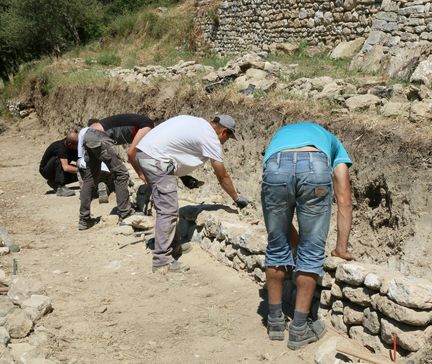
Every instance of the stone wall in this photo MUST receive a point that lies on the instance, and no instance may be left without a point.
(368, 303)
(233, 26)
(237, 25)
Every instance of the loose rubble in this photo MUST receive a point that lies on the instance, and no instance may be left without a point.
(22, 339)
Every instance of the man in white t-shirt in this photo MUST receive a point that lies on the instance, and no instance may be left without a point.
(175, 148)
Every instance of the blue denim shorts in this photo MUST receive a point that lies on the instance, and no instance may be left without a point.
(301, 182)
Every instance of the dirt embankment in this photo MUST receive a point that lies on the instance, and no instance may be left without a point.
(391, 175)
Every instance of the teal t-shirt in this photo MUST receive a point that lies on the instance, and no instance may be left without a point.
(304, 134)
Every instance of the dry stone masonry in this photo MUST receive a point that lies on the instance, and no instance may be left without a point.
(366, 302)
(232, 26)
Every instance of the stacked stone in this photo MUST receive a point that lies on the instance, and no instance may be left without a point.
(238, 25)
(373, 306)
(236, 244)
(401, 23)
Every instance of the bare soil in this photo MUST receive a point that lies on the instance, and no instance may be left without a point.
(108, 306)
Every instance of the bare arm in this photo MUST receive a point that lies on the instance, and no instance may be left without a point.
(68, 167)
(342, 188)
(224, 179)
(132, 151)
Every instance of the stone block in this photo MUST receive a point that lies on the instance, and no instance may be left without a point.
(371, 321)
(326, 280)
(140, 222)
(353, 314)
(22, 288)
(326, 298)
(400, 313)
(337, 307)
(359, 295)
(351, 273)
(18, 324)
(362, 102)
(336, 291)
(362, 335)
(411, 292)
(372, 281)
(408, 337)
(331, 263)
(206, 243)
(338, 323)
(37, 306)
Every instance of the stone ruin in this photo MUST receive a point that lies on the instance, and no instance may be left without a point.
(368, 303)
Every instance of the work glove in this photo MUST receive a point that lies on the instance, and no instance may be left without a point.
(191, 182)
(241, 202)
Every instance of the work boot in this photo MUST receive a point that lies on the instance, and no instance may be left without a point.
(308, 333)
(276, 327)
(181, 249)
(85, 224)
(103, 192)
(63, 191)
(175, 267)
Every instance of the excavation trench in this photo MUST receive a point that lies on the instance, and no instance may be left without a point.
(391, 174)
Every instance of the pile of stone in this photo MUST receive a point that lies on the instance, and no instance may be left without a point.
(20, 108)
(148, 74)
(413, 102)
(374, 306)
(22, 339)
(251, 68)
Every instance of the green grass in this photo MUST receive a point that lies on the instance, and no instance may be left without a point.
(318, 66)
(104, 58)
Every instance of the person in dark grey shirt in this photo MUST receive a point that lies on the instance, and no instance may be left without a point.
(55, 165)
(99, 141)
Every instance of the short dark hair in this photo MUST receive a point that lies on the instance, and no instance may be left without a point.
(92, 121)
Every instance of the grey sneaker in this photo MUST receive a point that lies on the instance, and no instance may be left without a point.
(276, 327)
(175, 267)
(85, 224)
(63, 191)
(103, 192)
(310, 332)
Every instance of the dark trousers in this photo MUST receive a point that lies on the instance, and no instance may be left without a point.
(100, 148)
(54, 174)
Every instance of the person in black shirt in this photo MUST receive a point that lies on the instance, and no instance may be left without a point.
(99, 141)
(56, 166)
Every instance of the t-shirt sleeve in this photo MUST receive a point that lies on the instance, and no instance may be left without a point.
(340, 154)
(212, 148)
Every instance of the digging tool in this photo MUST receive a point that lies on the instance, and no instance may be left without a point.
(375, 359)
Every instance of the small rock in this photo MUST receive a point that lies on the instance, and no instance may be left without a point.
(336, 291)
(359, 295)
(337, 307)
(125, 230)
(22, 289)
(37, 306)
(373, 342)
(414, 293)
(353, 315)
(351, 273)
(18, 324)
(372, 281)
(140, 222)
(362, 102)
(4, 250)
(338, 323)
(371, 321)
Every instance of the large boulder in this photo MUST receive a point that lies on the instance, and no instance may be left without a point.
(370, 61)
(403, 62)
(347, 49)
(423, 72)
(412, 292)
(420, 111)
(362, 102)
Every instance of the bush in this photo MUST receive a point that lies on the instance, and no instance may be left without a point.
(122, 25)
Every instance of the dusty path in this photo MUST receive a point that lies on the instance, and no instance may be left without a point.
(108, 306)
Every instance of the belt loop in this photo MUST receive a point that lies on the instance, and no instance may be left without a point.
(295, 157)
(278, 159)
(311, 161)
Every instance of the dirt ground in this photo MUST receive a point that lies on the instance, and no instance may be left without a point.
(108, 306)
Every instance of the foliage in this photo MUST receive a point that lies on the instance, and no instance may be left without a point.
(32, 28)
